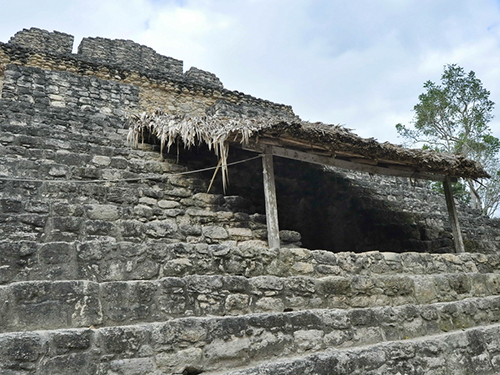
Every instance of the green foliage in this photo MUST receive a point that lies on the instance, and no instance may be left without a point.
(458, 189)
(453, 117)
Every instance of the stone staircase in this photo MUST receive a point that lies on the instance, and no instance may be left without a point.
(114, 262)
(396, 318)
(157, 277)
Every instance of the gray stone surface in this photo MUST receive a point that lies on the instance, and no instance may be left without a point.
(43, 40)
(198, 75)
(129, 55)
(473, 351)
(219, 344)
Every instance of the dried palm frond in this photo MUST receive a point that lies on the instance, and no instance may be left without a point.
(211, 130)
(218, 132)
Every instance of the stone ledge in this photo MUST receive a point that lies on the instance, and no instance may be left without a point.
(472, 351)
(103, 259)
(70, 304)
(211, 344)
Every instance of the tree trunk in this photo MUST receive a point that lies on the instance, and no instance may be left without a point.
(475, 199)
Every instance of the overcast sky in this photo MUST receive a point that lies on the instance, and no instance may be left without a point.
(359, 63)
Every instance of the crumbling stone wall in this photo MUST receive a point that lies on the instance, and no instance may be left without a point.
(43, 40)
(42, 89)
(129, 55)
(207, 78)
(161, 81)
(98, 81)
(428, 212)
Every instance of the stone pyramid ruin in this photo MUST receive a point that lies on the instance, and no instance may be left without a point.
(116, 260)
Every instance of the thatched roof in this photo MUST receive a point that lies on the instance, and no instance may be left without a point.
(316, 138)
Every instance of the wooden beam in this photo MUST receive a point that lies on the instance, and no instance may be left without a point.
(345, 164)
(452, 211)
(273, 231)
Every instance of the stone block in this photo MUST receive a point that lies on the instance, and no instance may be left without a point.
(101, 228)
(103, 212)
(308, 339)
(267, 283)
(167, 204)
(101, 160)
(219, 350)
(237, 304)
(161, 228)
(148, 201)
(45, 305)
(269, 304)
(22, 347)
(11, 205)
(57, 253)
(85, 363)
(239, 232)
(69, 340)
(289, 236)
(131, 228)
(66, 224)
(214, 232)
(186, 361)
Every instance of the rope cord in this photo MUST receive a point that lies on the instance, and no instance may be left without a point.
(150, 177)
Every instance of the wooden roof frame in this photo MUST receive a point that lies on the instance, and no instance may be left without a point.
(269, 150)
(317, 143)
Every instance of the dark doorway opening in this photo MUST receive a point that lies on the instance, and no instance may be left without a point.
(329, 210)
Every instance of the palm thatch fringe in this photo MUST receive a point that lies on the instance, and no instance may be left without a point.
(216, 132)
(337, 141)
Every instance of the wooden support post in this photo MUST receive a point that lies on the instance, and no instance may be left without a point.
(273, 235)
(452, 211)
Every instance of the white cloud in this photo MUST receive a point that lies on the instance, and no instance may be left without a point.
(184, 33)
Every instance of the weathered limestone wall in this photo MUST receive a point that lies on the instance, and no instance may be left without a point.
(43, 88)
(467, 352)
(66, 135)
(95, 80)
(428, 211)
(58, 304)
(161, 81)
(128, 55)
(43, 40)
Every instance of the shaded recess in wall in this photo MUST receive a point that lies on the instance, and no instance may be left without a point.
(329, 210)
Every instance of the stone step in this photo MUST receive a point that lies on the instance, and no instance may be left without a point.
(255, 258)
(101, 257)
(35, 305)
(195, 345)
(74, 163)
(73, 136)
(466, 352)
(16, 113)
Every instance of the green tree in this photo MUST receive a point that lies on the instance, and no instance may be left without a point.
(453, 117)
